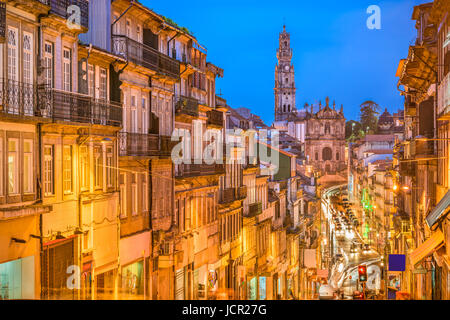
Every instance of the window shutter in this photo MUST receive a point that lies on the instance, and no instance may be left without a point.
(82, 76)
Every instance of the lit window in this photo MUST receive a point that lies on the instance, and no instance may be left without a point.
(91, 80)
(109, 167)
(123, 196)
(28, 168)
(103, 89)
(48, 63)
(134, 195)
(84, 167)
(13, 166)
(67, 169)
(98, 167)
(48, 170)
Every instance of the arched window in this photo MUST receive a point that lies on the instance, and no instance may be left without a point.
(327, 128)
(327, 154)
(289, 108)
(317, 156)
(285, 43)
(284, 108)
(337, 156)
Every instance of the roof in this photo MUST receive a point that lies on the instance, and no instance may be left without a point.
(379, 138)
(380, 151)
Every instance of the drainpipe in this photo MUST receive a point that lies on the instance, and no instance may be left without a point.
(132, 2)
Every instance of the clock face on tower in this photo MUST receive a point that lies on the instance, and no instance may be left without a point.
(286, 68)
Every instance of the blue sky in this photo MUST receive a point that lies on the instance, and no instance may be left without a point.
(335, 54)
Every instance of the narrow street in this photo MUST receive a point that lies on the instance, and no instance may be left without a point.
(348, 249)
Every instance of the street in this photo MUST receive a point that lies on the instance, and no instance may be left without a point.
(348, 251)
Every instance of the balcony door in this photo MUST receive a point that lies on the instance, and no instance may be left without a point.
(13, 71)
(28, 72)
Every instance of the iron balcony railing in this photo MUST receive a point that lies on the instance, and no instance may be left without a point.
(74, 107)
(228, 196)
(138, 144)
(145, 56)
(241, 193)
(254, 209)
(192, 170)
(142, 145)
(60, 8)
(187, 106)
(215, 118)
(18, 98)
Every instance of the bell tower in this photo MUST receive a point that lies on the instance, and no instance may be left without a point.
(284, 79)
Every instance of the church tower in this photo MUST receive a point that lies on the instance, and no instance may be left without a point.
(284, 79)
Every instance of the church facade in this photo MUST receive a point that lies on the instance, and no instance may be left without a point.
(319, 129)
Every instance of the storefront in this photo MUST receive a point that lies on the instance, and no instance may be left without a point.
(252, 288)
(57, 256)
(200, 282)
(132, 280)
(17, 279)
(179, 284)
(262, 288)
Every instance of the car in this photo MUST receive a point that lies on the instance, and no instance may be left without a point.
(326, 292)
(366, 248)
(345, 199)
(357, 295)
(354, 248)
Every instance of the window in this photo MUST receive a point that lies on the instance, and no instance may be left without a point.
(28, 168)
(48, 170)
(48, 63)
(144, 115)
(103, 89)
(67, 73)
(133, 115)
(13, 166)
(28, 73)
(128, 28)
(337, 156)
(13, 55)
(109, 167)
(91, 80)
(67, 169)
(134, 195)
(123, 196)
(84, 167)
(98, 167)
(144, 193)
(317, 156)
(138, 34)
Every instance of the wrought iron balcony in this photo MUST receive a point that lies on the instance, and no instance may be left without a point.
(422, 148)
(18, 98)
(145, 56)
(241, 193)
(194, 170)
(59, 7)
(215, 119)
(187, 106)
(138, 144)
(228, 196)
(254, 209)
(74, 107)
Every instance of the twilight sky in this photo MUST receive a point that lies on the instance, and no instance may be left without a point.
(334, 53)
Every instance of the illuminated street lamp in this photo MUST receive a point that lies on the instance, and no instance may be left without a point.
(424, 139)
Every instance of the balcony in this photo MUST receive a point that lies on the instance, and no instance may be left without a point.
(215, 119)
(241, 193)
(254, 209)
(195, 170)
(145, 56)
(228, 196)
(17, 98)
(186, 107)
(138, 144)
(421, 149)
(74, 107)
(59, 8)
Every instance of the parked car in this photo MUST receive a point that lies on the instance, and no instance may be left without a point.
(326, 292)
(357, 295)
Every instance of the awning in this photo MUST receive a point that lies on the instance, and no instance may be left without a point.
(442, 208)
(427, 248)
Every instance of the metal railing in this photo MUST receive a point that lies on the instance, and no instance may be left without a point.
(138, 144)
(145, 56)
(254, 209)
(74, 107)
(215, 118)
(187, 106)
(18, 98)
(228, 195)
(191, 170)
